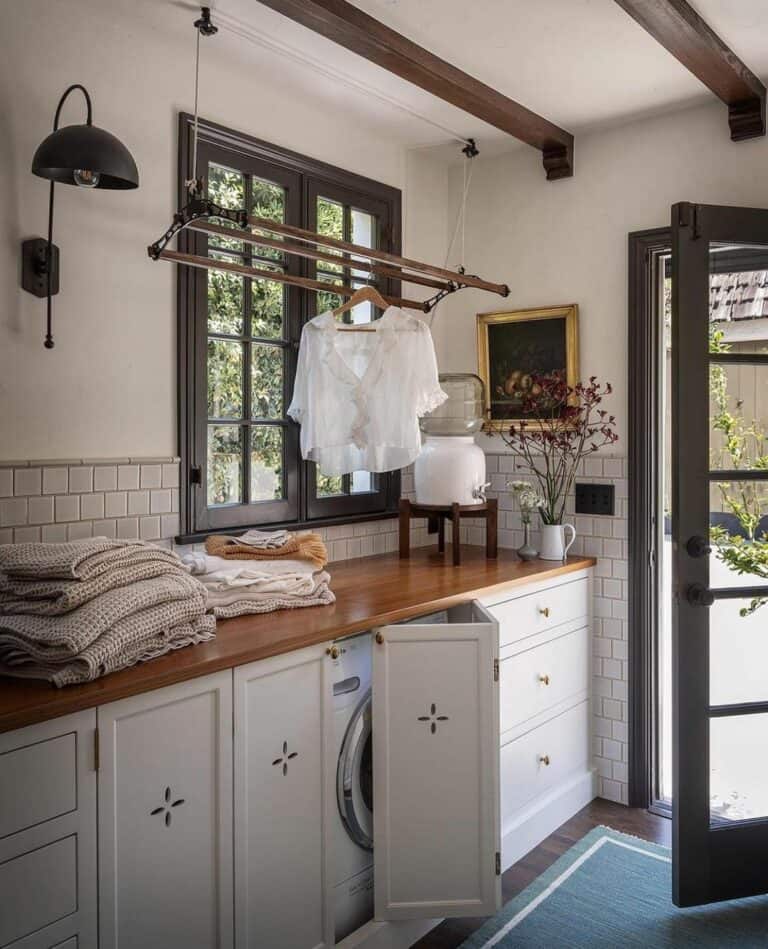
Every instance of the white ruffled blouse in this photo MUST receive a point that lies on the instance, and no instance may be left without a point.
(358, 396)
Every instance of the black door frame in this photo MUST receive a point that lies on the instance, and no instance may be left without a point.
(645, 453)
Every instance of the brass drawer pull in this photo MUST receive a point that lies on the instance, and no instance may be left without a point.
(544, 759)
(545, 680)
(544, 611)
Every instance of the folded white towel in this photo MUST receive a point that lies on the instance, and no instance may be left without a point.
(264, 540)
(227, 594)
(219, 569)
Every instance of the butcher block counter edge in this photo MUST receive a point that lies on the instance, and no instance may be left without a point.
(370, 592)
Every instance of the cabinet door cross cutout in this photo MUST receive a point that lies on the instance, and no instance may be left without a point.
(167, 806)
(433, 718)
(284, 758)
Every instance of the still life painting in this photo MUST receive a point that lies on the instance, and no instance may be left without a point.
(514, 347)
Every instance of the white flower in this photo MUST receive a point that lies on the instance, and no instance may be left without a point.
(527, 497)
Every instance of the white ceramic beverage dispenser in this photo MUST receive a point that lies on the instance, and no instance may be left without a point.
(451, 467)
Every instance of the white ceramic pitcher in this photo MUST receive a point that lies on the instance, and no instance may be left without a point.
(553, 545)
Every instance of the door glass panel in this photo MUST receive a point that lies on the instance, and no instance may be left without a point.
(225, 465)
(738, 785)
(738, 521)
(266, 381)
(225, 378)
(738, 297)
(266, 462)
(738, 653)
(739, 416)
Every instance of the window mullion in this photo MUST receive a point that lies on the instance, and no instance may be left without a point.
(248, 354)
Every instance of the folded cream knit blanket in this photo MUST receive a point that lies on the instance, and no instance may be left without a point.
(55, 597)
(77, 560)
(58, 638)
(240, 605)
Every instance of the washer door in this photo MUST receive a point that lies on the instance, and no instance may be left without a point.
(354, 776)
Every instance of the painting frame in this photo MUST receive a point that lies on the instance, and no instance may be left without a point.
(485, 357)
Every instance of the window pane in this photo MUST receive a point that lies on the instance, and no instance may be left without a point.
(326, 300)
(738, 653)
(266, 381)
(225, 379)
(225, 465)
(267, 200)
(362, 482)
(329, 486)
(227, 188)
(363, 228)
(225, 302)
(738, 415)
(266, 462)
(268, 305)
(738, 781)
(330, 218)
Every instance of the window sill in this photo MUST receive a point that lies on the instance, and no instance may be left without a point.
(200, 536)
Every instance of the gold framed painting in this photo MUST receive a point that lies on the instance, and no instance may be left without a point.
(514, 345)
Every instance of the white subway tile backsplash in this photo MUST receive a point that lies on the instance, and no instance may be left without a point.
(67, 507)
(149, 528)
(13, 512)
(27, 481)
(54, 533)
(6, 482)
(169, 525)
(105, 478)
(115, 504)
(160, 501)
(55, 480)
(128, 528)
(105, 528)
(26, 535)
(81, 479)
(138, 502)
(151, 476)
(91, 506)
(170, 476)
(128, 477)
(79, 530)
(40, 510)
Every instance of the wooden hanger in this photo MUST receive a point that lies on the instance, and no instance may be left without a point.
(363, 295)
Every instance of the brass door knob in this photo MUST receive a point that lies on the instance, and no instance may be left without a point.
(545, 680)
(544, 759)
(544, 610)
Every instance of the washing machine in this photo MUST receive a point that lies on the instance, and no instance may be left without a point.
(353, 817)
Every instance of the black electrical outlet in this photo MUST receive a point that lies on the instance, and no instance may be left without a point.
(594, 499)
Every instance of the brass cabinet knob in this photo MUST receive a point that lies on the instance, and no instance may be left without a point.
(545, 680)
(544, 610)
(334, 652)
(379, 637)
(544, 759)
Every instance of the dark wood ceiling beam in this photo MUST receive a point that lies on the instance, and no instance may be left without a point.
(681, 31)
(355, 30)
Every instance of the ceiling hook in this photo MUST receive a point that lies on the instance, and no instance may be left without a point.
(470, 149)
(204, 24)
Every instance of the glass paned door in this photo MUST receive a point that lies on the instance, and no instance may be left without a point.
(720, 561)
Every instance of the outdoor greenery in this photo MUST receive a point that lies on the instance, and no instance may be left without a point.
(227, 356)
(744, 445)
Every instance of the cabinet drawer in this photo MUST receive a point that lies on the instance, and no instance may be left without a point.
(38, 888)
(537, 612)
(38, 781)
(563, 740)
(540, 678)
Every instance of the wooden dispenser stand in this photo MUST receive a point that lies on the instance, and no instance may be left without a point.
(438, 514)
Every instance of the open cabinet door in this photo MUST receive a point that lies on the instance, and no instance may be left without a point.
(720, 537)
(436, 766)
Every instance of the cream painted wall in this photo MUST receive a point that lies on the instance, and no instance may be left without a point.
(108, 388)
(566, 241)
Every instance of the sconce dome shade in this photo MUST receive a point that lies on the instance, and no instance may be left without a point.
(88, 147)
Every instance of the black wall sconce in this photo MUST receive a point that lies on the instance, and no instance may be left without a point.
(82, 155)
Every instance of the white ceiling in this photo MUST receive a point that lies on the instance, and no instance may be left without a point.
(581, 63)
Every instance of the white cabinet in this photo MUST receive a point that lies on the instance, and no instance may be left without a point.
(165, 818)
(283, 792)
(435, 766)
(48, 834)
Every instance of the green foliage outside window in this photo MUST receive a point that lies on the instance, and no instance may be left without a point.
(745, 445)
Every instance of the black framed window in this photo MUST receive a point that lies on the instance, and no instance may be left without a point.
(239, 336)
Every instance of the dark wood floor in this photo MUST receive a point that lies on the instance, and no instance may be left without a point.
(639, 823)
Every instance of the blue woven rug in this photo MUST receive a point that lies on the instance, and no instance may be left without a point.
(611, 891)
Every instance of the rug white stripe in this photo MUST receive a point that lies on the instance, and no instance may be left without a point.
(558, 882)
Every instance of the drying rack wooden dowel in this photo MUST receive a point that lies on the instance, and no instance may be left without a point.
(466, 280)
(259, 273)
(258, 240)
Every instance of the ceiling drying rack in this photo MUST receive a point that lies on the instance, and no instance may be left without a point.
(201, 214)
(197, 216)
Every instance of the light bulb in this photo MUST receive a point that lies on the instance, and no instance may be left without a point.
(85, 178)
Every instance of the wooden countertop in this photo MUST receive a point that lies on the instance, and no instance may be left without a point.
(370, 591)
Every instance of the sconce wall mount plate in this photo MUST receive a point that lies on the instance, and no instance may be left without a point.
(34, 267)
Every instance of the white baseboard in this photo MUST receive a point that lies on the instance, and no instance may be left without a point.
(399, 934)
(534, 823)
